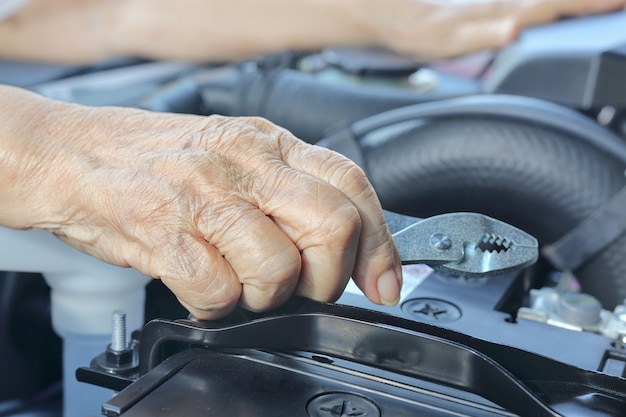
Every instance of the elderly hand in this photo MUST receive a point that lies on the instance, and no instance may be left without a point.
(434, 29)
(223, 210)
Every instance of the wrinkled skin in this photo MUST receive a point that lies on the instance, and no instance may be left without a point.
(84, 31)
(223, 210)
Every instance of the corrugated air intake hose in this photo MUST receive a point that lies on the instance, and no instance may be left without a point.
(538, 166)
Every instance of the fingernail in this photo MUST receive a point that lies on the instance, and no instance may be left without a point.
(389, 288)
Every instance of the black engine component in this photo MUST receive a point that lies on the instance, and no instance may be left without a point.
(30, 350)
(309, 358)
(578, 63)
(428, 148)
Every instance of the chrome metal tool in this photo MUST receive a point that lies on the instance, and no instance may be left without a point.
(464, 244)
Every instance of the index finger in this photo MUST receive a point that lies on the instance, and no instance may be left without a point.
(377, 267)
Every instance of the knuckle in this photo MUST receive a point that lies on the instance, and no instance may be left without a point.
(208, 293)
(356, 179)
(342, 226)
(275, 280)
(352, 180)
(223, 296)
(276, 270)
(201, 279)
(260, 123)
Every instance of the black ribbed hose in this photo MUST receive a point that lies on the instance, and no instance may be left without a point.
(304, 104)
(539, 179)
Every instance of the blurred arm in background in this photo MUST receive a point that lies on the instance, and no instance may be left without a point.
(85, 31)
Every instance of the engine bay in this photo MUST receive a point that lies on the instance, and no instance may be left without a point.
(549, 339)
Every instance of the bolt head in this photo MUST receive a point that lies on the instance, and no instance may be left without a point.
(440, 241)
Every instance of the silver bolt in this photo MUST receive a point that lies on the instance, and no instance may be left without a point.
(441, 241)
(118, 338)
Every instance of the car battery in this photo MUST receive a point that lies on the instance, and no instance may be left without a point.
(451, 347)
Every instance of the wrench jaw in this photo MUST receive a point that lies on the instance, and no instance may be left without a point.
(464, 244)
(478, 262)
(497, 251)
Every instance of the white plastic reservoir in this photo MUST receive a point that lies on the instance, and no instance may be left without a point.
(85, 292)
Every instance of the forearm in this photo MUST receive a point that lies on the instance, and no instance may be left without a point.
(85, 31)
(217, 30)
(59, 31)
(28, 198)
